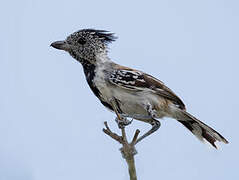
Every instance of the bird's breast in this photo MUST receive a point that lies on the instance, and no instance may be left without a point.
(101, 84)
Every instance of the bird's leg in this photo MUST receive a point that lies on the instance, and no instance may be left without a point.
(120, 119)
(155, 126)
(123, 122)
(155, 123)
(114, 106)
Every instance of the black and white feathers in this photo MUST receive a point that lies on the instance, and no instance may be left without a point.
(136, 94)
(138, 81)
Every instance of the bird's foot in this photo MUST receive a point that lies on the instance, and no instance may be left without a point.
(123, 122)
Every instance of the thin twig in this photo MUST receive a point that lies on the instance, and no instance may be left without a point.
(111, 134)
(136, 134)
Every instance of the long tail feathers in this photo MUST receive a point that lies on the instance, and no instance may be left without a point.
(199, 129)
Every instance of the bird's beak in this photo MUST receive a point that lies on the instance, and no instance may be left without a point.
(62, 45)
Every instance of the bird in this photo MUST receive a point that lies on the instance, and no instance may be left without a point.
(128, 92)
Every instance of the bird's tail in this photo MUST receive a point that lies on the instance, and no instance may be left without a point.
(198, 128)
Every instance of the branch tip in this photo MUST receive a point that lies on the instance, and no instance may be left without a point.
(136, 134)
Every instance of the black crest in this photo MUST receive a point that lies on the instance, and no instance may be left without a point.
(103, 35)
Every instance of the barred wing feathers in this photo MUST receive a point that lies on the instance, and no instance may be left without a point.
(134, 80)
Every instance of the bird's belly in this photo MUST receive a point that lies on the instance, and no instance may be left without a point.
(134, 104)
(134, 110)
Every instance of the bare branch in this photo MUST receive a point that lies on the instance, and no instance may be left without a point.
(128, 150)
(111, 134)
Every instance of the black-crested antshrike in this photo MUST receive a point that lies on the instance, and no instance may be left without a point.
(128, 92)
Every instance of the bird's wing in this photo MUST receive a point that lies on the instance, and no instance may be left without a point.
(134, 80)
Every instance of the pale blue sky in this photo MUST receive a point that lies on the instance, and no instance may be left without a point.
(51, 123)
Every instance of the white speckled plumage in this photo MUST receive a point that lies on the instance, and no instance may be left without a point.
(134, 93)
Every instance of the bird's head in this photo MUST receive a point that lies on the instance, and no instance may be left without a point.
(84, 45)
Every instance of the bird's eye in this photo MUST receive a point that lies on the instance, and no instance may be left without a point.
(81, 41)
